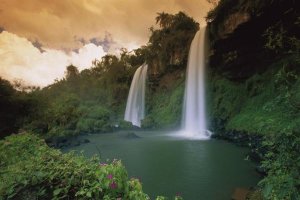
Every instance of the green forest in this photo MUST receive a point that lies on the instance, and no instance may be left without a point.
(253, 100)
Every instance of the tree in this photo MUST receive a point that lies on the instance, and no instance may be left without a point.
(168, 45)
(213, 2)
(13, 108)
(71, 72)
(164, 20)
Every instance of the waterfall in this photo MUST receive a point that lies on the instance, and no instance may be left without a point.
(193, 118)
(135, 107)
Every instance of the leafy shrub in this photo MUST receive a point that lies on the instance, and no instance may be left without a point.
(29, 169)
(282, 163)
(164, 198)
(278, 40)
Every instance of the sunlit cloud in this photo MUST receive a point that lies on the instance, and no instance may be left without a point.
(20, 59)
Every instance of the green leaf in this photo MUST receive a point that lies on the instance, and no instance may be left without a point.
(267, 190)
(57, 191)
(89, 194)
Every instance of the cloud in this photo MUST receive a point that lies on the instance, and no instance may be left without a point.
(38, 39)
(107, 42)
(38, 45)
(20, 59)
(56, 24)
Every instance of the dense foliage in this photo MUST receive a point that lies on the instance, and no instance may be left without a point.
(254, 85)
(14, 106)
(29, 169)
(33, 170)
(282, 162)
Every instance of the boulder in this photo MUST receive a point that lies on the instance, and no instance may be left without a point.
(131, 135)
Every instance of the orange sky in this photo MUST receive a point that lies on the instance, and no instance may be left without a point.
(38, 38)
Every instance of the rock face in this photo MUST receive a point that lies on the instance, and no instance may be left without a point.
(232, 22)
(154, 67)
(237, 31)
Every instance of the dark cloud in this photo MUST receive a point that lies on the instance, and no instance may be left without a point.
(38, 45)
(1, 29)
(81, 40)
(105, 42)
(76, 50)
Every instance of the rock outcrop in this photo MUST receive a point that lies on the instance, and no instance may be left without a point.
(237, 31)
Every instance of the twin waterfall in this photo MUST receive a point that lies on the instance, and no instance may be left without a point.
(135, 107)
(193, 118)
(193, 114)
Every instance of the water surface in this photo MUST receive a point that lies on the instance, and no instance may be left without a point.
(166, 165)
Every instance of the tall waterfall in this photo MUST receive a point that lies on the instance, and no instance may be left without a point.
(135, 107)
(193, 118)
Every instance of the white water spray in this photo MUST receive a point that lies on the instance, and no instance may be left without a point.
(193, 118)
(135, 107)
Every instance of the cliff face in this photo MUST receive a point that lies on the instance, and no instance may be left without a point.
(238, 33)
(254, 66)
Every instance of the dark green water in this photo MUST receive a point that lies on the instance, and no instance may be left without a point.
(166, 165)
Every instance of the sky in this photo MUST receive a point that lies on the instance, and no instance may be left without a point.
(39, 38)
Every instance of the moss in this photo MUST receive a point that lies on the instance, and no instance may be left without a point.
(94, 119)
(227, 98)
(264, 104)
(165, 106)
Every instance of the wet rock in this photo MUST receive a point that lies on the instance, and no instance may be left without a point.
(131, 135)
(76, 143)
(64, 142)
(86, 141)
(260, 170)
(232, 22)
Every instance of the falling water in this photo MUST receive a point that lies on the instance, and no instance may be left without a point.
(193, 118)
(135, 107)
